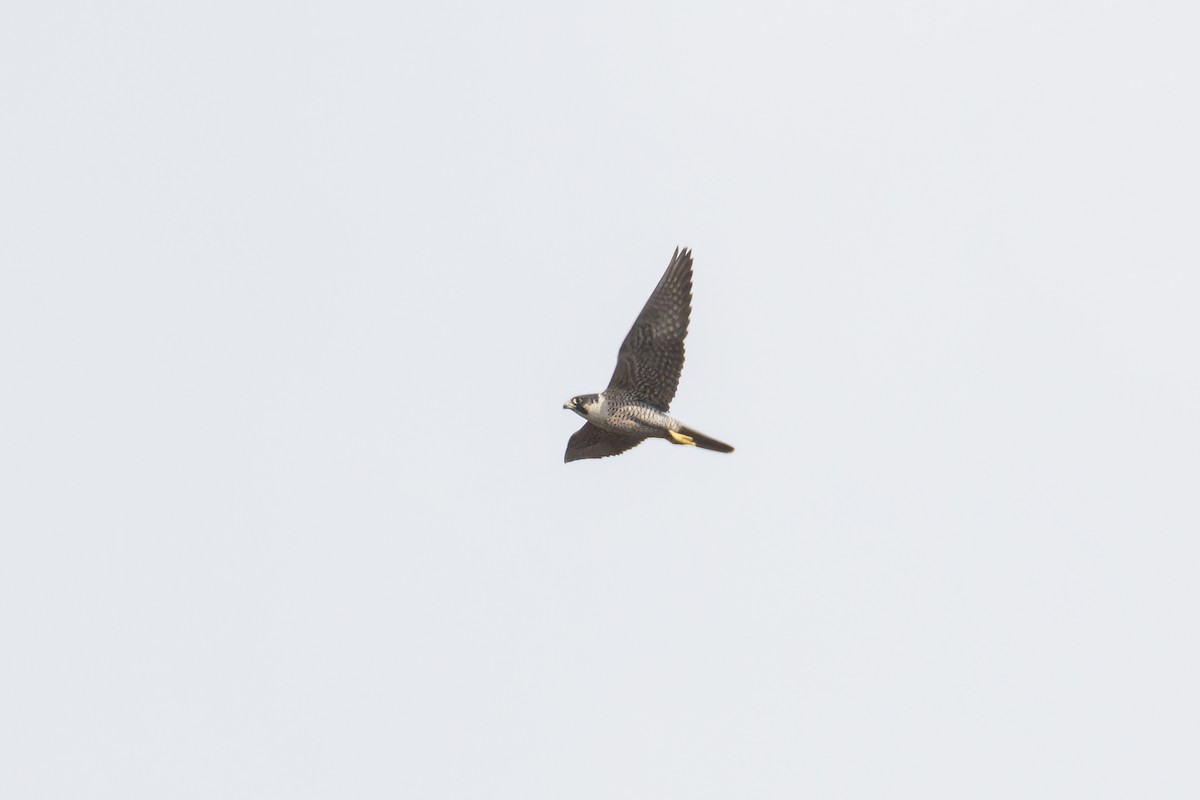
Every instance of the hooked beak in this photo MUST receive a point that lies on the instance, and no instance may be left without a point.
(569, 406)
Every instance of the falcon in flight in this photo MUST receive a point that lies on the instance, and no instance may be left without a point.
(634, 406)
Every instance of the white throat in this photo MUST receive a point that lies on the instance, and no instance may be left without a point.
(595, 411)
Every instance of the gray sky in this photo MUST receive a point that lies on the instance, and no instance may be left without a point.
(290, 299)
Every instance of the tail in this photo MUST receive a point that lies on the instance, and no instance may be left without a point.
(686, 435)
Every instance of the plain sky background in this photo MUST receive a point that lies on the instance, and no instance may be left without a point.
(291, 296)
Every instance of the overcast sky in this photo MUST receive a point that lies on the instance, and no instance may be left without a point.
(291, 297)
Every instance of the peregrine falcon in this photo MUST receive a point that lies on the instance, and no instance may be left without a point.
(634, 406)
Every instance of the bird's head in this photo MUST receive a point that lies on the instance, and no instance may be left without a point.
(581, 404)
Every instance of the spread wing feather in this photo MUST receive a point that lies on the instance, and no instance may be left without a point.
(592, 442)
(651, 357)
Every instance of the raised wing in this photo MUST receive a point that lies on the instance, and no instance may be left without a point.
(592, 442)
(651, 357)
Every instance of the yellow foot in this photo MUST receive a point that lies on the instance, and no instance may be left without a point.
(680, 438)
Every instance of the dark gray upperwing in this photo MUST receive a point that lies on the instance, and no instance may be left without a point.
(651, 357)
(592, 442)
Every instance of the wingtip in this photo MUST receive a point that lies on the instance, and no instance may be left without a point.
(682, 257)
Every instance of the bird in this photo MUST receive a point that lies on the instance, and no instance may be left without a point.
(636, 403)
